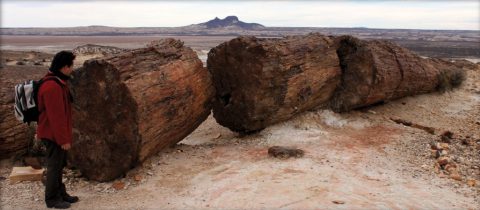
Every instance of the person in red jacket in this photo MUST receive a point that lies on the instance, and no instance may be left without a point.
(55, 127)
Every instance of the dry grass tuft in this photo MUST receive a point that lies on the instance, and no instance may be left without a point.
(449, 79)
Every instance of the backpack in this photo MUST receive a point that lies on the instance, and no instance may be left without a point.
(26, 102)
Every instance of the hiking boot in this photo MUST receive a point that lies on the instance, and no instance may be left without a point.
(70, 199)
(60, 205)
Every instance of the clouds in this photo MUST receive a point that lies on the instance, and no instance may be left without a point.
(372, 14)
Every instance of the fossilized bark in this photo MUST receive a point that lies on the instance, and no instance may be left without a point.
(131, 105)
(15, 136)
(263, 81)
(379, 71)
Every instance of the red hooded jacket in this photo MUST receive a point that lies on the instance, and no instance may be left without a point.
(54, 104)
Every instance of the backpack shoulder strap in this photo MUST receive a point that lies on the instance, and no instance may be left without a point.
(56, 79)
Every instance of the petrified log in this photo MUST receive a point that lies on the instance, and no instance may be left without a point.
(15, 136)
(379, 71)
(263, 81)
(131, 105)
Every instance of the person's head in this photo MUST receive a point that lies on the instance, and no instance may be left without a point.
(62, 63)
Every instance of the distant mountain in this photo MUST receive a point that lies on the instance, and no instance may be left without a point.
(227, 23)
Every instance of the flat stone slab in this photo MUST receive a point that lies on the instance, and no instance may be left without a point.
(25, 174)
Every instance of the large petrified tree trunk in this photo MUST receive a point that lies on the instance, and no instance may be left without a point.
(131, 105)
(379, 71)
(263, 81)
(15, 136)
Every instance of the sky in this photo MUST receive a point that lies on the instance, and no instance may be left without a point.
(407, 14)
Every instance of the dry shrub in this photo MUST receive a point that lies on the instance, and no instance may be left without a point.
(449, 79)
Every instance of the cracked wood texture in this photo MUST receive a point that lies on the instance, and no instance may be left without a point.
(15, 137)
(260, 81)
(379, 71)
(131, 105)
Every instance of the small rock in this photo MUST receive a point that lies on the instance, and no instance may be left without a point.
(217, 136)
(451, 168)
(20, 63)
(435, 153)
(446, 136)
(456, 176)
(443, 160)
(435, 145)
(137, 178)
(118, 185)
(466, 142)
(472, 182)
(439, 153)
(285, 152)
(436, 168)
(444, 146)
(150, 173)
(338, 202)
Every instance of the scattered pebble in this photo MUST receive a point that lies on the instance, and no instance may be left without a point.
(472, 182)
(456, 176)
(443, 161)
(118, 185)
(138, 178)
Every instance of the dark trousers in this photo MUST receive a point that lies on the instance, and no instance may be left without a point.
(56, 161)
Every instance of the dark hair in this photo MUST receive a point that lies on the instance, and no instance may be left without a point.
(61, 59)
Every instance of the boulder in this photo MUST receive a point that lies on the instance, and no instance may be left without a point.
(131, 105)
(261, 81)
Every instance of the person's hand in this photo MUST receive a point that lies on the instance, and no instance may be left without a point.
(66, 146)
